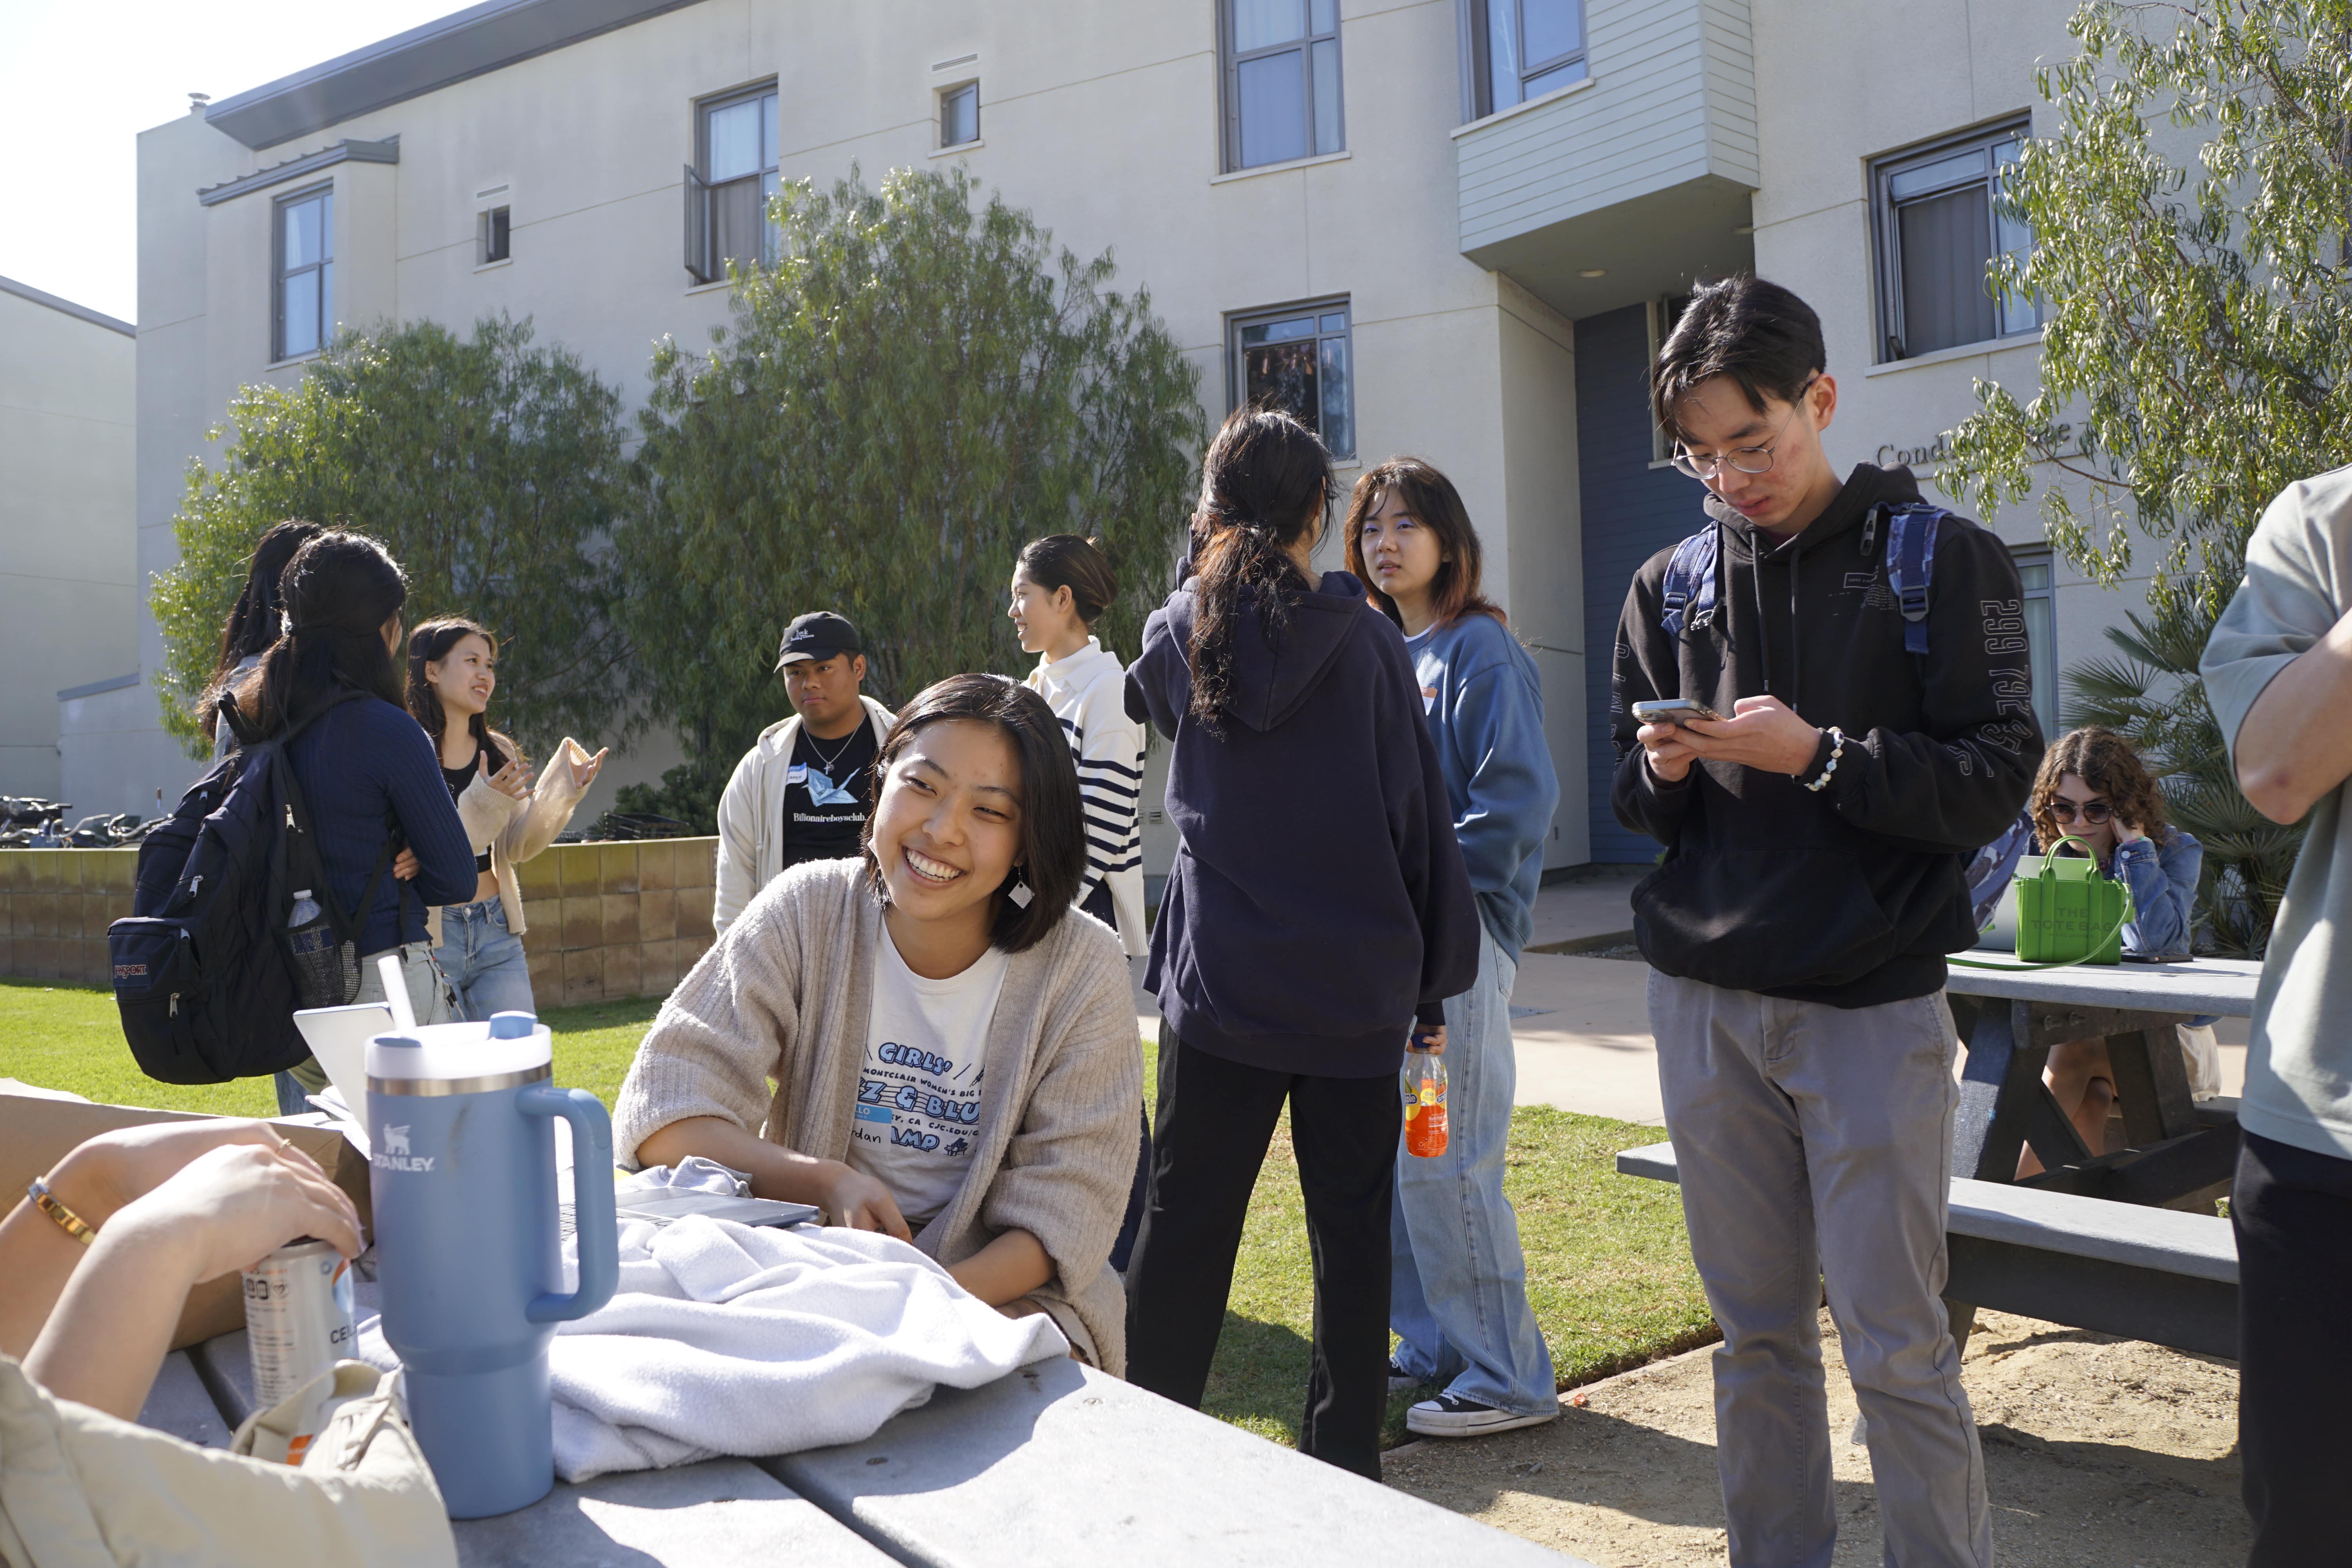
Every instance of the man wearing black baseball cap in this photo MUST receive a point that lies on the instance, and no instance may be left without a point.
(803, 791)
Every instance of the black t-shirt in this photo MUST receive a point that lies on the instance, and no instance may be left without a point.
(827, 795)
(458, 780)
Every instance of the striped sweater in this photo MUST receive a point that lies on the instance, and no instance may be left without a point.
(1086, 691)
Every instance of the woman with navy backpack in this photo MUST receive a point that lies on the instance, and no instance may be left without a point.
(386, 830)
(1317, 909)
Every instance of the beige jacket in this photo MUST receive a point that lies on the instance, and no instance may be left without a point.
(515, 830)
(751, 814)
(79, 1489)
(787, 995)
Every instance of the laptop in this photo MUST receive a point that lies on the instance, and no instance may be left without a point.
(338, 1038)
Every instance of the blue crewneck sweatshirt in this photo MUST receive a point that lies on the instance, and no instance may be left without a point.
(1484, 702)
(1317, 903)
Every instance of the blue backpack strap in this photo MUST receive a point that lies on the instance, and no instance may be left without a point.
(1911, 567)
(1689, 592)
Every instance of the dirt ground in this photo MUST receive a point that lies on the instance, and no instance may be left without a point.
(2099, 1452)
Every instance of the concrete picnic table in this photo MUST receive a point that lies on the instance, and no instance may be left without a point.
(1055, 1464)
(2009, 1017)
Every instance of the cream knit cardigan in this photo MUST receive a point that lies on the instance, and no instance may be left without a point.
(785, 996)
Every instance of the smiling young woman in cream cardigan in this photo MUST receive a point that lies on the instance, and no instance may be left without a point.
(953, 1060)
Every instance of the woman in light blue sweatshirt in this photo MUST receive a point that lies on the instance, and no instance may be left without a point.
(1458, 1298)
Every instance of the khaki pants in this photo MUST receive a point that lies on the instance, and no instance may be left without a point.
(1814, 1144)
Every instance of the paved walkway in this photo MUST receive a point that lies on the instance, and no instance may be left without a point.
(1582, 1023)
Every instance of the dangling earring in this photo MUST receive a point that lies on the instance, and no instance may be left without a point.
(1019, 892)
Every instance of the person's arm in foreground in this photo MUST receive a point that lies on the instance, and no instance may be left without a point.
(225, 1211)
(2278, 667)
(1074, 1154)
(427, 816)
(2163, 883)
(102, 1176)
(1956, 781)
(699, 1084)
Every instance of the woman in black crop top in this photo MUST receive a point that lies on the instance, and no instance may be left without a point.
(452, 671)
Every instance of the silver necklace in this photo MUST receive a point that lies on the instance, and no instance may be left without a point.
(832, 761)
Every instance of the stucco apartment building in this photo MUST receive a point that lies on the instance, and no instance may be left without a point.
(1450, 227)
(67, 608)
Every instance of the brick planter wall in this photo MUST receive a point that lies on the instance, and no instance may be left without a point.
(606, 920)
(612, 920)
(60, 903)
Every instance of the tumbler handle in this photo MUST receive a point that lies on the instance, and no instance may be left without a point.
(594, 1224)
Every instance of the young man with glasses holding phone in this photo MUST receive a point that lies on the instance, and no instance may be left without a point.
(1797, 928)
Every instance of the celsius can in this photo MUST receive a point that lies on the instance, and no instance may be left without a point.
(298, 1317)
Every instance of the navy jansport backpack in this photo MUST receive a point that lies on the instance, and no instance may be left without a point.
(1688, 594)
(201, 975)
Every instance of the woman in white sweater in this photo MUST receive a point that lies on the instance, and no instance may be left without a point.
(1060, 589)
(953, 1060)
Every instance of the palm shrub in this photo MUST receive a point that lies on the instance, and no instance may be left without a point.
(920, 385)
(491, 470)
(2197, 358)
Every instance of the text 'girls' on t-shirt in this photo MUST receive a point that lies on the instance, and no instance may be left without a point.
(919, 1091)
(826, 795)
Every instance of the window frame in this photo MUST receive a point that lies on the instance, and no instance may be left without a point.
(1230, 59)
(495, 237)
(1477, 54)
(700, 186)
(280, 207)
(948, 95)
(1237, 369)
(1887, 231)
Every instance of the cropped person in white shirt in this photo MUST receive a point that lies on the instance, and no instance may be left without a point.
(1060, 589)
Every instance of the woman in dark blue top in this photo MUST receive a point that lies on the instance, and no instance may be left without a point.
(367, 771)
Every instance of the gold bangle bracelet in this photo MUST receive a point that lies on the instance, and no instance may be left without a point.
(72, 1224)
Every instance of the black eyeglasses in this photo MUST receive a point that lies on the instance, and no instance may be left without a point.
(2094, 810)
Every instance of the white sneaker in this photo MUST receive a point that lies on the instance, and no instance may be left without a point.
(1448, 1415)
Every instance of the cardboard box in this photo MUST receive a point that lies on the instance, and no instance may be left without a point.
(36, 1132)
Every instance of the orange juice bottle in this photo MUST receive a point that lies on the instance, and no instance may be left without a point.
(1424, 1100)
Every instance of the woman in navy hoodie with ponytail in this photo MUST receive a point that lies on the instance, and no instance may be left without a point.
(1317, 909)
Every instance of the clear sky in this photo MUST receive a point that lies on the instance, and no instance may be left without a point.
(81, 78)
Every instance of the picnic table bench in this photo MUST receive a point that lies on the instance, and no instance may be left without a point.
(1055, 1464)
(2087, 1243)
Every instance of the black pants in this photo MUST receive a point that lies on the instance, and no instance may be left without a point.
(2293, 1212)
(1215, 1120)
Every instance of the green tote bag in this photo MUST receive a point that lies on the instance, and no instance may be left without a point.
(2068, 913)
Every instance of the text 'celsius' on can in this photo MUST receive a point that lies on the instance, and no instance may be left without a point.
(299, 1319)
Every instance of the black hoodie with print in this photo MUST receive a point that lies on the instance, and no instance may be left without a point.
(1850, 895)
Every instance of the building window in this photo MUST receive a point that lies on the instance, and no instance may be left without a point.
(1521, 49)
(494, 234)
(305, 281)
(1665, 311)
(726, 193)
(1299, 361)
(1941, 219)
(2041, 633)
(1282, 80)
(960, 115)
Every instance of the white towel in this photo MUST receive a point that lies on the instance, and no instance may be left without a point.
(728, 1338)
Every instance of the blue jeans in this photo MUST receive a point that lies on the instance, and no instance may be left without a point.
(484, 961)
(1458, 1283)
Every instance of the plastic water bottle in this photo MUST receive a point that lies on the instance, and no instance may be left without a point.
(325, 969)
(306, 909)
(1424, 1100)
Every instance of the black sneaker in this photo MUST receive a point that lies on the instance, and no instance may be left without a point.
(1399, 1380)
(1449, 1415)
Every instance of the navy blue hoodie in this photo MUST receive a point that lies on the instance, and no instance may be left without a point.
(1318, 904)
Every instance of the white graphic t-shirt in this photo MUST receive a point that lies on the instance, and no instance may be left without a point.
(919, 1093)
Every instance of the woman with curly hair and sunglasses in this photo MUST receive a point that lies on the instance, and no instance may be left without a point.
(2095, 790)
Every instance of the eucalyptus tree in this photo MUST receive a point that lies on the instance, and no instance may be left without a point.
(2190, 243)
(918, 386)
(493, 470)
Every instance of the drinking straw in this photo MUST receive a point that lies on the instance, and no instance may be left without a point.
(395, 992)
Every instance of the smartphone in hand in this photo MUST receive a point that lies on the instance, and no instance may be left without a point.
(1673, 711)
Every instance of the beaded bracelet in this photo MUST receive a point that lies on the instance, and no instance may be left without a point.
(72, 1224)
(1837, 750)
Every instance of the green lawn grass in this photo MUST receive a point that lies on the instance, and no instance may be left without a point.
(1609, 1269)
